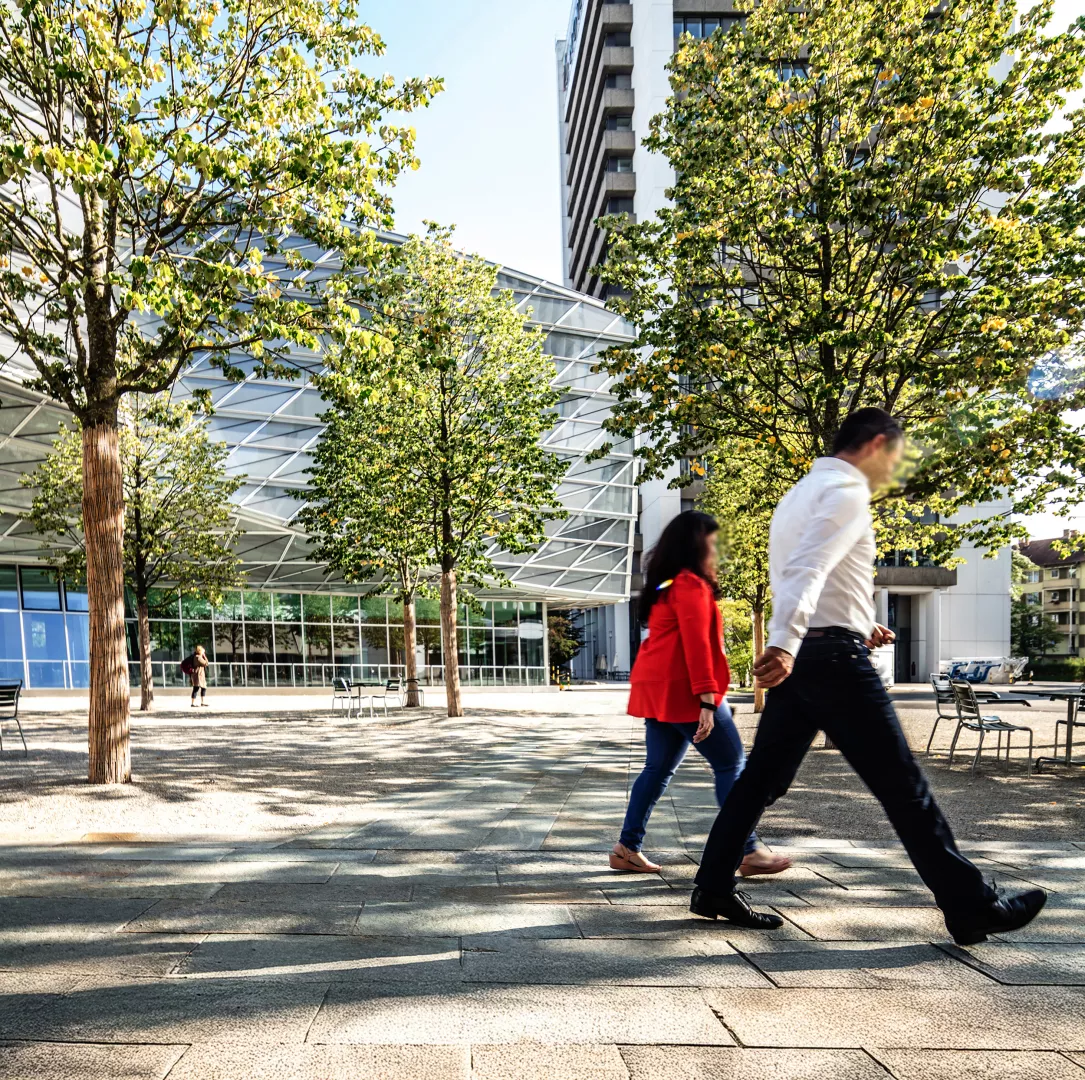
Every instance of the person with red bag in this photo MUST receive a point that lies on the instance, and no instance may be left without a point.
(679, 682)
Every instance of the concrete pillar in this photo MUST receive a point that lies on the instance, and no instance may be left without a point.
(881, 606)
(934, 630)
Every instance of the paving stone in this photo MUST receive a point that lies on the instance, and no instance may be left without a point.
(862, 964)
(363, 875)
(168, 852)
(523, 1061)
(438, 919)
(176, 916)
(172, 1011)
(28, 993)
(666, 921)
(336, 891)
(73, 888)
(829, 895)
(362, 1013)
(519, 831)
(612, 962)
(1027, 964)
(308, 1062)
(870, 877)
(999, 1018)
(63, 1061)
(67, 916)
(879, 923)
(326, 957)
(739, 1063)
(1059, 923)
(977, 1065)
(138, 955)
(496, 894)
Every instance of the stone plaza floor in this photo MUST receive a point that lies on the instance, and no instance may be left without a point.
(283, 893)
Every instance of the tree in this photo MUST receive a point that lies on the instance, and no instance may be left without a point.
(566, 637)
(365, 513)
(742, 489)
(1032, 631)
(162, 167)
(890, 220)
(180, 529)
(466, 399)
(738, 637)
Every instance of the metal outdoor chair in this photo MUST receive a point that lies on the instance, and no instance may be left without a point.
(9, 700)
(970, 717)
(342, 693)
(411, 687)
(391, 689)
(1069, 724)
(946, 703)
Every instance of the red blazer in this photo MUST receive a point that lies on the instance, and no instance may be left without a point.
(682, 657)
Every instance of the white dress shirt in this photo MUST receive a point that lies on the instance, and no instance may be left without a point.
(821, 555)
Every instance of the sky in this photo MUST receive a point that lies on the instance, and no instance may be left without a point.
(489, 143)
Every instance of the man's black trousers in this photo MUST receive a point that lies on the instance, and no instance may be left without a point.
(834, 688)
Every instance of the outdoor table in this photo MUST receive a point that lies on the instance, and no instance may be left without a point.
(1073, 699)
(356, 689)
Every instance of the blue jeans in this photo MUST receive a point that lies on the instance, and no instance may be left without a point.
(666, 746)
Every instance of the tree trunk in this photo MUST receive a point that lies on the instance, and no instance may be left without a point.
(450, 643)
(410, 660)
(146, 682)
(103, 526)
(758, 649)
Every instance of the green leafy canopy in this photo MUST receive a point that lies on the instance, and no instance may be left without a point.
(179, 529)
(873, 205)
(432, 452)
(160, 164)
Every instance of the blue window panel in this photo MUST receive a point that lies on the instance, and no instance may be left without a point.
(11, 637)
(76, 597)
(78, 637)
(46, 675)
(80, 676)
(41, 591)
(44, 637)
(9, 588)
(12, 671)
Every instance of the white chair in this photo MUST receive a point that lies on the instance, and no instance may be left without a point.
(342, 694)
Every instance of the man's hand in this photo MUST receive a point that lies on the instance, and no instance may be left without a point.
(882, 635)
(772, 667)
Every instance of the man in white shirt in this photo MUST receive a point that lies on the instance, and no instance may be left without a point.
(821, 555)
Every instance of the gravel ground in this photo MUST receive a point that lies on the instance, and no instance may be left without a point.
(271, 767)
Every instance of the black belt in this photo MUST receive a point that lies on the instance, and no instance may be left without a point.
(840, 632)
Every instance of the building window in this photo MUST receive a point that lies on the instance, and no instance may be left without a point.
(620, 164)
(617, 40)
(620, 122)
(619, 82)
(619, 205)
(1033, 576)
(703, 26)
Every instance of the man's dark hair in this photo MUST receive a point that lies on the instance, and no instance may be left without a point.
(863, 425)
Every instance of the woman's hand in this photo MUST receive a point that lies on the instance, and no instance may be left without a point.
(706, 723)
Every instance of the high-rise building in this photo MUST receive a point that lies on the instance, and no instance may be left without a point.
(612, 79)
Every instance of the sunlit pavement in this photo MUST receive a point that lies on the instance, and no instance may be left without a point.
(419, 897)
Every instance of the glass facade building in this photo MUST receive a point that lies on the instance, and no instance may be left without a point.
(297, 623)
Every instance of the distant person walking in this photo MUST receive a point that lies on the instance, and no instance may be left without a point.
(197, 663)
(679, 681)
(821, 553)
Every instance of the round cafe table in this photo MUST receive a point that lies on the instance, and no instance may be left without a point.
(1073, 699)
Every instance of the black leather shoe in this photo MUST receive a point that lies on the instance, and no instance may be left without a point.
(1009, 912)
(732, 906)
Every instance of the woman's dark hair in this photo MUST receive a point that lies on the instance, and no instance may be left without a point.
(681, 547)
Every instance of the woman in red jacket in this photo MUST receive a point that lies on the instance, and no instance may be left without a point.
(679, 681)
